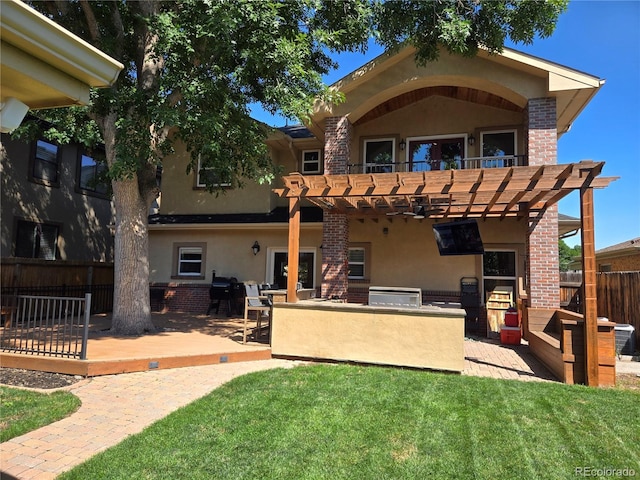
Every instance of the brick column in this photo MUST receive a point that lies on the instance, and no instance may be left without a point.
(335, 227)
(543, 265)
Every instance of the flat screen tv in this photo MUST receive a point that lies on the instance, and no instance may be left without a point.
(458, 238)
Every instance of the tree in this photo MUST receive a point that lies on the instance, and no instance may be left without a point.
(193, 67)
(567, 254)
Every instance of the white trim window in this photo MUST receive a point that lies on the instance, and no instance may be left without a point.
(357, 262)
(201, 173)
(379, 155)
(502, 144)
(190, 261)
(311, 161)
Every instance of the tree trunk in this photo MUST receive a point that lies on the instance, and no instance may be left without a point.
(131, 304)
(132, 198)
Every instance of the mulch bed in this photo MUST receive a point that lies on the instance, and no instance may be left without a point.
(17, 377)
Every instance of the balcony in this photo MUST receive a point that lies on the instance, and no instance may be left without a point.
(433, 165)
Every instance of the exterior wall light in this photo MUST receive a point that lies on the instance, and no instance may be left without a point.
(402, 144)
(471, 140)
(255, 247)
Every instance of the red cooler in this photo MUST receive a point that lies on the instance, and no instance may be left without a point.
(510, 335)
(511, 318)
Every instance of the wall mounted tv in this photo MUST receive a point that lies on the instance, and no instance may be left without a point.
(458, 238)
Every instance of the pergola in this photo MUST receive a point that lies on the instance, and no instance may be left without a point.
(522, 192)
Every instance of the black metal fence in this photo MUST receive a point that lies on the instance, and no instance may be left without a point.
(431, 165)
(51, 326)
(101, 295)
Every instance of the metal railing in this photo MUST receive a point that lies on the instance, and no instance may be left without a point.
(51, 326)
(431, 165)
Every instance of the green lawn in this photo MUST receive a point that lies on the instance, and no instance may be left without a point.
(22, 410)
(355, 422)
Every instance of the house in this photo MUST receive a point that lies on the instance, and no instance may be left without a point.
(55, 204)
(52, 208)
(622, 257)
(459, 140)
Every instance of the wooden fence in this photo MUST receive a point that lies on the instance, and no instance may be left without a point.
(618, 296)
(27, 276)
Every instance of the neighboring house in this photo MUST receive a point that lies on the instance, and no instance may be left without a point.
(622, 257)
(461, 139)
(55, 204)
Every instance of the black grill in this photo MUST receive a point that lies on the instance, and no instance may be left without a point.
(227, 290)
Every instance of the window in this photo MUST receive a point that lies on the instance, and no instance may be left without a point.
(36, 240)
(92, 173)
(277, 267)
(499, 270)
(435, 153)
(379, 155)
(499, 144)
(206, 174)
(189, 260)
(44, 166)
(311, 161)
(357, 256)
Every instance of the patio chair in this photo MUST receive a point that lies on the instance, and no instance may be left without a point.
(261, 305)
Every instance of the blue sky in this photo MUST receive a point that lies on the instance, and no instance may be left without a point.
(601, 38)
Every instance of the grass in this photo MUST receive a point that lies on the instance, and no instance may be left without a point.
(24, 410)
(355, 422)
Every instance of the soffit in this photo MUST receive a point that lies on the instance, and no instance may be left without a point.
(459, 93)
(475, 193)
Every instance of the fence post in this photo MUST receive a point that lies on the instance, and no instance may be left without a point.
(85, 331)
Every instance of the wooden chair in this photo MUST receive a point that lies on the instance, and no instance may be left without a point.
(254, 302)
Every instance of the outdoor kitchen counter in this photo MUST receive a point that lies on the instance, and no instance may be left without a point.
(427, 337)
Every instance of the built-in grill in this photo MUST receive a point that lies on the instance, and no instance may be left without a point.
(404, 297)
(225, 290)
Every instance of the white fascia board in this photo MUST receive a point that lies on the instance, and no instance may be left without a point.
(559, 76)
(42, 38)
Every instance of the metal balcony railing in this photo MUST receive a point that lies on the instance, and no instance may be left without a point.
(426, 166)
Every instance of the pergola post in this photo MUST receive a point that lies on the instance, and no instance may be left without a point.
(590, 301)
(293, 255)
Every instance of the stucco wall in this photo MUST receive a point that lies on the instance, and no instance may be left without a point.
(228, 252)
(407, 255)
(181, 196)
(438, 116)
(346, 332)
(479, 73)
(83, 220)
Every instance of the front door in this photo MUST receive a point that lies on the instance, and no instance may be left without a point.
(306, 272)
(435, 154)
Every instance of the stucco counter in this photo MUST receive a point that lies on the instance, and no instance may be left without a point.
(428, 337)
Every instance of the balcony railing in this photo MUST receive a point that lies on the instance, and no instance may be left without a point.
(426, 166)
